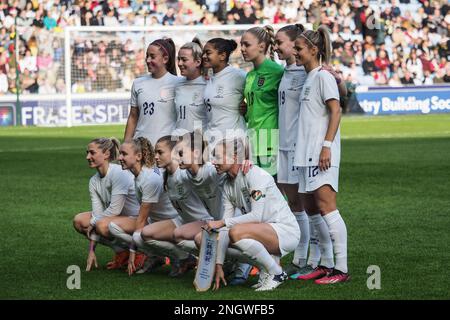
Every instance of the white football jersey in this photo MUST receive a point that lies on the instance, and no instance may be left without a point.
(189, 105)
(189, 206)
(320, 86)
(223, 94)
(155, 100)
(207, 185)
(258, 197)
(115, 182)
(289, 105)
(149, 185)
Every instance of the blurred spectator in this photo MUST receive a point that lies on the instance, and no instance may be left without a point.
(374, 42)
(3, 82)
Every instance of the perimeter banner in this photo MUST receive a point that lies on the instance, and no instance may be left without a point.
(404, 100)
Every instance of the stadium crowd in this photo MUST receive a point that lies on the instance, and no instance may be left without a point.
(406, 43)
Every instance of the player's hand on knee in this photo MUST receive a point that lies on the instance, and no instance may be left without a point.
(91, 260)
(219, 277)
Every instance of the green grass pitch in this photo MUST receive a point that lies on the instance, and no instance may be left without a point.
(394, 197)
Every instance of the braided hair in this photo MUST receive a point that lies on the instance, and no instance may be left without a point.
(265, 34)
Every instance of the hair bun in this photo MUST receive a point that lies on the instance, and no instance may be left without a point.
(233, 44)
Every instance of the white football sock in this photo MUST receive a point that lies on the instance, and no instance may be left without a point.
(325, 245)
(338, 232)
(301, 252)
(112, 243)
(141, 246)
(167, 248)
(188, 246)
(314, 250)
(256, 250)
(118, 233)
(236, 255)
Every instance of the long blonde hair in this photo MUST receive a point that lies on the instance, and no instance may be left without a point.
(265, 34)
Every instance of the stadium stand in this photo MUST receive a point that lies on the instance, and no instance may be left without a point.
(406, 43)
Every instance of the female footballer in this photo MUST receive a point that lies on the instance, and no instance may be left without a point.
(261, 94)
(266, 227)
(207, 184)
(152, 114)
(138, 156)
(113, 200)
(318, 149)
(224, 91)
(163, 236)
(189, 102)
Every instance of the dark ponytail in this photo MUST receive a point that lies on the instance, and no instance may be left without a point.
(222, 45)
(167, 48)
(293, 31)
(170, 141)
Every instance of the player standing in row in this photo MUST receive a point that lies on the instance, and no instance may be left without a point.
(152, 114)
(289, 107)
(261, 94)
(224, 91)
(318, 149)
(267, 226)
(138, 156)
(287, 174)
(163, 236)
(113, 200)
(189, 102)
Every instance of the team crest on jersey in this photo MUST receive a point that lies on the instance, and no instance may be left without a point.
(294, 83)
(219, 92)
(261, 81)
(307, 91)
(257, 194)
(164, 94)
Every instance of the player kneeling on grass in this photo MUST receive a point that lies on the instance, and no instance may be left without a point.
(138, 156)
(113, 200)
(266, 227)
(207, 184)
(164, 236)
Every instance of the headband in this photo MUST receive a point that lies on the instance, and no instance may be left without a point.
(162, 45)
(302, 35)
